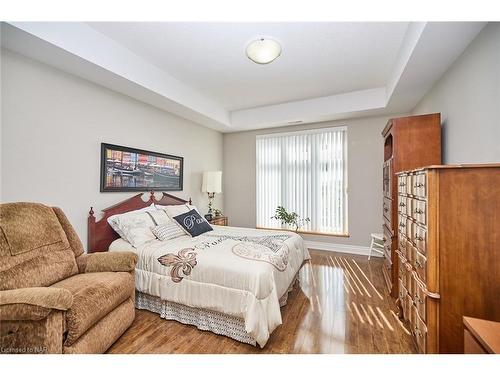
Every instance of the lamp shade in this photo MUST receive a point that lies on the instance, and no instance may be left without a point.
(212, 181)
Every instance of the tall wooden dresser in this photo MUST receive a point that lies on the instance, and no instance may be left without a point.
(409, 142)
(449, 251)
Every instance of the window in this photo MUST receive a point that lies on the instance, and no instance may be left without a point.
(306, 172)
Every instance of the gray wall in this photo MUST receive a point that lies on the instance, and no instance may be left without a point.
(468, 97)
(365, 158)
(52, 127)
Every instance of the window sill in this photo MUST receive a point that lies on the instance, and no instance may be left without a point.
(309, 232)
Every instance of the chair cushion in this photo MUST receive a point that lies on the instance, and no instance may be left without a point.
(94, 296)
(34, 249)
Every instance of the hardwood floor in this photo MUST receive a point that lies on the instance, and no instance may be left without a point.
(341, 306)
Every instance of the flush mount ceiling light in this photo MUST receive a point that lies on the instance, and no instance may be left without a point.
(263, 51)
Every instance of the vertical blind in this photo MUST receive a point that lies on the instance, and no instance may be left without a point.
(305, 172)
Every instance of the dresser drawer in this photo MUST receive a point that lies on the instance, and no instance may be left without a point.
(402, 224)
(387, 178)
(410, 283)
(419, 185)
(409, 227)
(411, 253)
(407, 304)
(388, 251)
(402, 204)
(402, 184)
(401, 268)
(419, 238)
(419, 211)
(387, 211)
(402, 243)
(420, 332)
(413, 317)
(387, 233)
(388, 264)
(421, 266)
(420, 300)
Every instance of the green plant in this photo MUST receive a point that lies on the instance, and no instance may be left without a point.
(290, 218)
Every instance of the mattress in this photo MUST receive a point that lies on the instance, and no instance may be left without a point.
(239, 272)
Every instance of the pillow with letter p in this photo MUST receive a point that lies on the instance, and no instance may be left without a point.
(193, 223)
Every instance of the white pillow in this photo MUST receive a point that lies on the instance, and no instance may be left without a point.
(136, 226)
(113, 220)
(168, 231)
(178, 209)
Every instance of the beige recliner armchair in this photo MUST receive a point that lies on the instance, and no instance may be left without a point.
(54, 298)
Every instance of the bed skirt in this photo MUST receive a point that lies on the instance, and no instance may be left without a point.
(203, 319)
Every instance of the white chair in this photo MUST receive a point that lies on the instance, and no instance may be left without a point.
(377, 244)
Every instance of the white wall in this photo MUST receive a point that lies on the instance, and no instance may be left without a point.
(468, 97)
(52, 127)
(365, 158)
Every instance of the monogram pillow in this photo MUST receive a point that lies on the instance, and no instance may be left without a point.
(193, 223)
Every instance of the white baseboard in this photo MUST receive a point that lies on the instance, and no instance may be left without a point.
(340, 248)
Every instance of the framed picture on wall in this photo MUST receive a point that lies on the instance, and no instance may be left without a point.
(131, 169)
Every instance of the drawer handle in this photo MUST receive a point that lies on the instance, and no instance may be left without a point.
(386, 209)
(418, 264)
(402, 204)
(402, 184)
(418, 185)
(402, 225)
(418, 238)
(418, 211)
(417, 298)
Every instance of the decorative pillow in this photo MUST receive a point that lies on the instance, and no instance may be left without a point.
(193, 223)
(113, 220)
(135, 227)
(176, 210)
(168, 231)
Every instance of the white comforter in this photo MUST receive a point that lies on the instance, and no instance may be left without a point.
(236, 271)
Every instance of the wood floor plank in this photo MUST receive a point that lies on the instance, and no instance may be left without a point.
(340, 306)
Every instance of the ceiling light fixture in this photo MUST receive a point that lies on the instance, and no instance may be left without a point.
(263, 51)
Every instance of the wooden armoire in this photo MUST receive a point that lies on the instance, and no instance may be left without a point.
(449, 251)
(409, 143)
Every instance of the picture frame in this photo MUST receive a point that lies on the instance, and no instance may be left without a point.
(125, 169)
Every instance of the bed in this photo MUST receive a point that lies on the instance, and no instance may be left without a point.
(231, 281)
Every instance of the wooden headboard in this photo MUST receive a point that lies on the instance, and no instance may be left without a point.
(100, 234)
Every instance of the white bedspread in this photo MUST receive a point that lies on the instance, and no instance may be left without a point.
(237, 271)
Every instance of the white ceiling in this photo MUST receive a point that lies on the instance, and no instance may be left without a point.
(318, 59)
(199, 71)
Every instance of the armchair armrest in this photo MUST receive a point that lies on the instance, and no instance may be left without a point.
(119, 261)
(33, 303)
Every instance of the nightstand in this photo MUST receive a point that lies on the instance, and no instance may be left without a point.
(219, 220)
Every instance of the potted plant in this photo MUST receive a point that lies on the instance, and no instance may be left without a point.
(289, 218)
